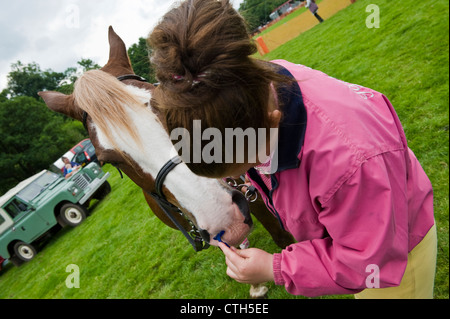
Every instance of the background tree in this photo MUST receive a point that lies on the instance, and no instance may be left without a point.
(3, 95)
(31, 138)
(256, 12)
(28, 80)
(71, 75)
(139, 57)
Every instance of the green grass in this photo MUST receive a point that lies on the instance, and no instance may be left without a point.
(407, 59)
(123, 251)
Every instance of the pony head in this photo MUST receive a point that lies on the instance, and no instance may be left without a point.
(128, 134)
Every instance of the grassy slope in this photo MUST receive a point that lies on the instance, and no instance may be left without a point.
(123, 251)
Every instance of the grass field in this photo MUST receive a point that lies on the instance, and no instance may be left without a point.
(123, 251)
(407, 60)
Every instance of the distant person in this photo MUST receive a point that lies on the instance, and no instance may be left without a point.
(70, 168)
(313, 7)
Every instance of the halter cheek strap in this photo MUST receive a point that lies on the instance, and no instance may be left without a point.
(161, 176)
(198, 238)
(131, 77)
(84, 120)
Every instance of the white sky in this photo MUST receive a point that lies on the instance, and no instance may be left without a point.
(58, 33)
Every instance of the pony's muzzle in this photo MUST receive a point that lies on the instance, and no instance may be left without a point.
(241, 202)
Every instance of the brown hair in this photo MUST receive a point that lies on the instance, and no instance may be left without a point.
(201, 51)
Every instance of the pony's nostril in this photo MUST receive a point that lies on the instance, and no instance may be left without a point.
(205, 235)
(239, 199)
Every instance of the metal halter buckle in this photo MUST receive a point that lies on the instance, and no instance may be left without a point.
(251, 194)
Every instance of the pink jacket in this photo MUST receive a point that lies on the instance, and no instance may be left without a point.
(347, 187)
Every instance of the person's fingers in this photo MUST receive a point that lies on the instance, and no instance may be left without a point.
(232, 274)
(244, 253)
(230, 254)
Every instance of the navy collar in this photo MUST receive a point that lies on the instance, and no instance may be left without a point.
(292, 126)
(291, 137)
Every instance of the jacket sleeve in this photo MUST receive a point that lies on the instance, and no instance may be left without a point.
(367, 246)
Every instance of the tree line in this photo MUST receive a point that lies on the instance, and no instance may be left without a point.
(256, 12)
(31, 136)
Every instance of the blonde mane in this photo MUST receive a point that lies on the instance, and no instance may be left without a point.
(106, 100)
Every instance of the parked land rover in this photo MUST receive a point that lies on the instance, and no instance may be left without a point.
(83, 153)
(31, 209)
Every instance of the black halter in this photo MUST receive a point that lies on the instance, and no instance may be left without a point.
(131, 77)
(198, 238)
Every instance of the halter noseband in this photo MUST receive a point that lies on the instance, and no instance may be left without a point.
(198, 238)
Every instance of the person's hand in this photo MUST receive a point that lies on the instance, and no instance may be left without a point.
(250, 266)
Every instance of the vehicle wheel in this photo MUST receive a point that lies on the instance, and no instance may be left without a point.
(24, 251)
(104, 190)
(72, 215)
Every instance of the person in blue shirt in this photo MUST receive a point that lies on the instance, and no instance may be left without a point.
(70, 168)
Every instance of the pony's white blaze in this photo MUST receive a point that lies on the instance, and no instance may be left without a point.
(205, 198)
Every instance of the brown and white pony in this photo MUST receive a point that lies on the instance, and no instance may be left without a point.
(126, 132)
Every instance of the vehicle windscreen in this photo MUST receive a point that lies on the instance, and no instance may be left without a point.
(38, 186)
(90, 150)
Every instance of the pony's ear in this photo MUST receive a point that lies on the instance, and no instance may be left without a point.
(118, 62)
(62, 103)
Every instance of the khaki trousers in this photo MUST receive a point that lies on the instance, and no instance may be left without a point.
(418, 280)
